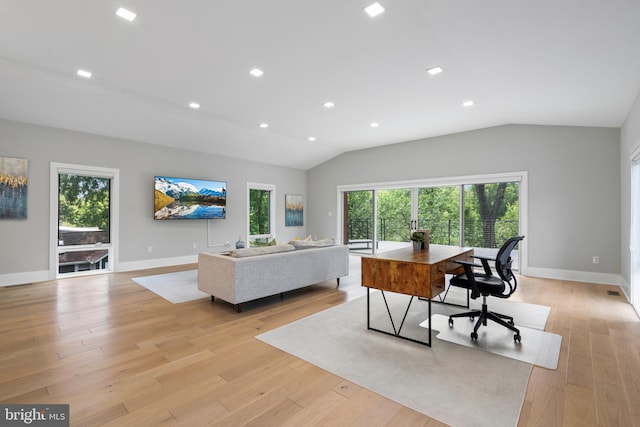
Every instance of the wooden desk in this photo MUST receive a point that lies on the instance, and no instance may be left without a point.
(415, 273)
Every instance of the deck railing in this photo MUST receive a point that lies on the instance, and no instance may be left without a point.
(485, 234)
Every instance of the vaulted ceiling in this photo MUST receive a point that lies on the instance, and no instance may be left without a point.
(568, 62)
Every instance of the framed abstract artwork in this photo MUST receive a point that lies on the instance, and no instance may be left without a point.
(14, 182)
(293, 210)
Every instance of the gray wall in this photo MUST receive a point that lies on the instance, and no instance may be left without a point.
(25, 243)
(573, 174)
(574, 190)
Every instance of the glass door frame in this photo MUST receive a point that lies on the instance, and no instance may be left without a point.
(634, 232)
(346, 232)
(521, 177)
(111, 247)
(378, 221)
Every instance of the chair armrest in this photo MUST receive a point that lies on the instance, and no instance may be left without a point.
(468, 271)
(485, 263)
(466, 263)
(483, 257)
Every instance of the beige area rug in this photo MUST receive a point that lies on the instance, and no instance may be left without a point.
(537, 347)
(458, 385)
(181, 286)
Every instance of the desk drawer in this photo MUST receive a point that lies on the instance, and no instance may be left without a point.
(455, 268)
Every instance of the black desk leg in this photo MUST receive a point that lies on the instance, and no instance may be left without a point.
(396, 333)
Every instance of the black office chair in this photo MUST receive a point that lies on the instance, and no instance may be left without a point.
(487, 284)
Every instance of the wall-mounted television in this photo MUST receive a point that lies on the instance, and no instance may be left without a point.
(183, 198)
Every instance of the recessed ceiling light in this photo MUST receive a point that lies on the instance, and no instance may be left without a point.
(374, 9)
(434, 70)
(194, 105)
(84, 73)
(328, 104)
(312, 138)
(375, 124)
(256, 72)
(126, 14)
(264, 125)
(468, 103)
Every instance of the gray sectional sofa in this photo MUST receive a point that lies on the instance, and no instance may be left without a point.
(248, 274)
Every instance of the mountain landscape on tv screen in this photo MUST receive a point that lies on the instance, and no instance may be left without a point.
(180, 198)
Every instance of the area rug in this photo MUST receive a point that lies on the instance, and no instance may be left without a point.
(537, 347)
(181, 286)
(454, 384)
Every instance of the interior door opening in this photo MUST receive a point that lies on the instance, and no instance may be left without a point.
(83, 200)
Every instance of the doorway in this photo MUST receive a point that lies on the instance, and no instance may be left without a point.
(84, 222)
(358, 221)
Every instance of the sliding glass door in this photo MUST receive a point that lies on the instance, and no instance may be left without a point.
(439, 212)
(481, 213)
(390, 211)
(394, 218)
(358, 229)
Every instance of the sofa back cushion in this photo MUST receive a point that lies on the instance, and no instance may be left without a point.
(261, 250)
(306, 244)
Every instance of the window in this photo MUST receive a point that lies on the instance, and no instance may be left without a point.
(83, 229)
(261, 207)
(477, 211)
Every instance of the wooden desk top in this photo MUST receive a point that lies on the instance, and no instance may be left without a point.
(417, 273)
(434, 255)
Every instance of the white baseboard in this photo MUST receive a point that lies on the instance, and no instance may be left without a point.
(583, 276)
(626, 288)
(155, 263)
(577, 276)
(28, 277)
(16, 279)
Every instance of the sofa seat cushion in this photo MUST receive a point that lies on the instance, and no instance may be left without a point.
(261, 250)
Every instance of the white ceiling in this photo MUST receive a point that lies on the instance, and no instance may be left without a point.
(556, 62)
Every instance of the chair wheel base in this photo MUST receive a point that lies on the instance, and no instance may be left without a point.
(474, 335)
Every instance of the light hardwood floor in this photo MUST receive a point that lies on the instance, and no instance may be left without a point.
(122, 356)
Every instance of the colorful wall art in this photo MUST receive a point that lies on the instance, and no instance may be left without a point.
(14, 181)
(293, 210)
